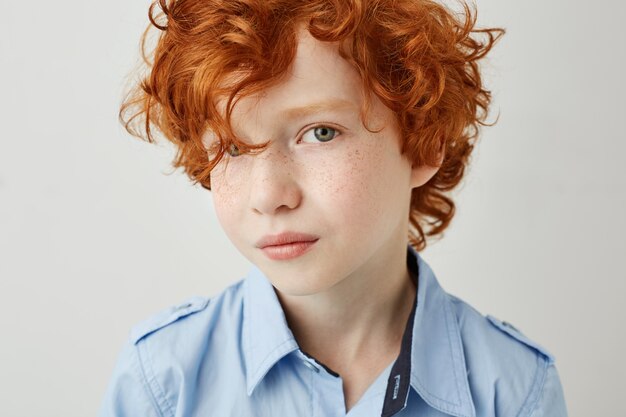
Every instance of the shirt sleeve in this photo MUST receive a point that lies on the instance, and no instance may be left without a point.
(128, 393)
(552, 401)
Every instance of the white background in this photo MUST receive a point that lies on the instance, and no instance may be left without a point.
(95, 237)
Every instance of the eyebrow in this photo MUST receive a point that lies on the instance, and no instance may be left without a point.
(318, 107)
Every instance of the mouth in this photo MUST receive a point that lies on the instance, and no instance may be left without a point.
(289, 250)
(286, 245)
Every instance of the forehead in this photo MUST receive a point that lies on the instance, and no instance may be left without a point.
(319, 79)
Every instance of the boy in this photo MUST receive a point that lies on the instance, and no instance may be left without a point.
(327, 132)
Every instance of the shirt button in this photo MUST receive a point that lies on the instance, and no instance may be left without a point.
(509, 325)
(182, 306)
(310, 365)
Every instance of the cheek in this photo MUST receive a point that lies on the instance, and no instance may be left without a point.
(224, 193)
(349, 188)
(223, 209)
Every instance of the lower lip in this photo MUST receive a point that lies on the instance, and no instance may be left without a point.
(289, 251)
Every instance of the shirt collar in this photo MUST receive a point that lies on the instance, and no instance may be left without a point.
(266, 336)
(437, 363)
(438, 370)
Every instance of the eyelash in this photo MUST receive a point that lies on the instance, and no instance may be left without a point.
(337, 133)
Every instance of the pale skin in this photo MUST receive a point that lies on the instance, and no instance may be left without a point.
(347, 300)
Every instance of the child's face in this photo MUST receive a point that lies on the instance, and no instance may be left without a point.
(347, 186)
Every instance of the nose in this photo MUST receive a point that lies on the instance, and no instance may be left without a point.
(274, 186)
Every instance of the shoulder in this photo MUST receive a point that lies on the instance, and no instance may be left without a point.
(166, 351)
(489, 331)
(505, 367)
(189, 316)
(167, 317)
(180, 342)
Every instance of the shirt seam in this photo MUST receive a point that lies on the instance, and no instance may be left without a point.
(454, 354)
(138, 365)
(529, 405)
(152, 384)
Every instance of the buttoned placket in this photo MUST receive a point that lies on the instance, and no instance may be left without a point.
(326, 390)
(325, 387)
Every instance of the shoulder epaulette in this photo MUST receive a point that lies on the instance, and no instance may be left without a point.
(512, 331)
(167, 317)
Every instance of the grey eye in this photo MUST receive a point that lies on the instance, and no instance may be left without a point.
(319, 134)
(233, 150)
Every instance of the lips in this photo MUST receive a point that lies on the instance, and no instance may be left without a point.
(285, 238)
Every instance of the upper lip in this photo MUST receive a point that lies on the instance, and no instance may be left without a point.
(284, 238)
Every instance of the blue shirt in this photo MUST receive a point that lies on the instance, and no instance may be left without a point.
(234, 355)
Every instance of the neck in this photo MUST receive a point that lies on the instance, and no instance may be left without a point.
(360, 317)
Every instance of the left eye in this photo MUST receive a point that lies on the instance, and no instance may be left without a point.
(233, 150)
(319, 134)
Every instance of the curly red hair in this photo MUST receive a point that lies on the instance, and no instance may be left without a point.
(417, 56)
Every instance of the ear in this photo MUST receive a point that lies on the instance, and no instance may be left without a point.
(421, 174)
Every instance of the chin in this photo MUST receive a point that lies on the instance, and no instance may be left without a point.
(298, 284)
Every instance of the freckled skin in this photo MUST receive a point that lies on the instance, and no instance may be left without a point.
(347, 299)
(352, 191)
